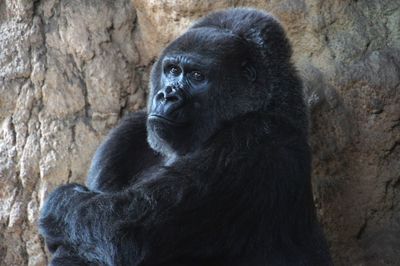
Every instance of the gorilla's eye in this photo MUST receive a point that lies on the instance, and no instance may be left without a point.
(174, 70)
(196, 75)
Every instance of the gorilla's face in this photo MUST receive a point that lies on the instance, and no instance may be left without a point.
(181, 103)
(200, 80)
(184, 84)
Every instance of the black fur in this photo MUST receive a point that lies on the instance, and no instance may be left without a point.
(230, 182)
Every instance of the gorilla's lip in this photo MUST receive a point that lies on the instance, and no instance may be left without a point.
(158, 117)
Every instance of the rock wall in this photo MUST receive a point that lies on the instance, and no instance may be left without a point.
(70, 69)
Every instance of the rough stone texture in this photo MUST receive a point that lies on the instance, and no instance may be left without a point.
(70, 69)
(67, 74)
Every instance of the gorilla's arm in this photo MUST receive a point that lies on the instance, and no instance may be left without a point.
(115, 228)
(123, 156)
(188, 210)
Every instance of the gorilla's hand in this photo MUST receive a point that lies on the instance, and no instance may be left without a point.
(55, 211)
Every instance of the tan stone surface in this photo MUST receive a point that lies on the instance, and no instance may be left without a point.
(70, 69)
(67, 74)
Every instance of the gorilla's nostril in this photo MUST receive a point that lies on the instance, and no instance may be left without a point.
(160, 96)
(168, 90)
(168, 94)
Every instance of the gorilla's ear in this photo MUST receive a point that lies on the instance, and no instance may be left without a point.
(249, 71)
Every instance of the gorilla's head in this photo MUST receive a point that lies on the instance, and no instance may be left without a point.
(226, 65)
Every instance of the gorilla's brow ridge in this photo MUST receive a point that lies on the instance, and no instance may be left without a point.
(192, 59)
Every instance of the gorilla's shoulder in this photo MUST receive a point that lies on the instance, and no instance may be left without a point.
(255, 131)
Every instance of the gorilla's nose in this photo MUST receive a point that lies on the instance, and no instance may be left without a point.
(168, 100)
(168, 94)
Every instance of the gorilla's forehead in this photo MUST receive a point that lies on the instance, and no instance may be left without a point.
(207, 41)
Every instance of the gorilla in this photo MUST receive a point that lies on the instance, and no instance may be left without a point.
(215, 172)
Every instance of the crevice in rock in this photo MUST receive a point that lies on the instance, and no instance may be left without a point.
(362, 229)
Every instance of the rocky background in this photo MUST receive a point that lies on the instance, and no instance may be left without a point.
(70, 69)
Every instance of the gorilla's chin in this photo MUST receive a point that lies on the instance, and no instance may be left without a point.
(167, 136)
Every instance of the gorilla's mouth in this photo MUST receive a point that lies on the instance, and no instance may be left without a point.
(163, 119)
